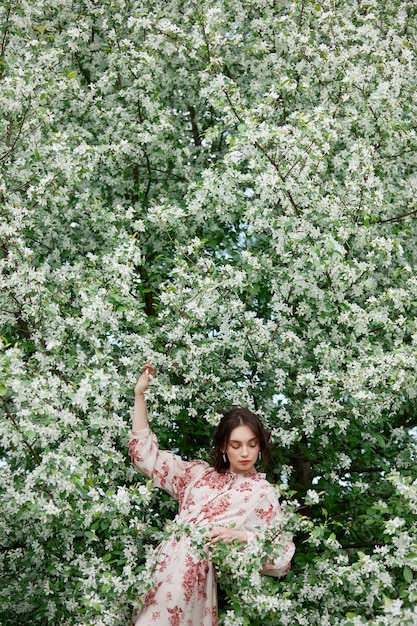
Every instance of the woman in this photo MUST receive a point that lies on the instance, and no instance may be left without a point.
(231, 501)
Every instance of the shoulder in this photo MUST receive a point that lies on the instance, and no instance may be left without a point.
(199, 467)
(191, 474)
(266, 489)
(209, 477)
(261, 481)
(193, 470)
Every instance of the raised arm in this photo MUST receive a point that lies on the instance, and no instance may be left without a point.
(168, 470)
(140, 411)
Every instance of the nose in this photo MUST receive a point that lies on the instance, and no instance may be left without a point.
(245, 451)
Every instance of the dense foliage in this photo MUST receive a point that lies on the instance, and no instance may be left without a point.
(230, 188)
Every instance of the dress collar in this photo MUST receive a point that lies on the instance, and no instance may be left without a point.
(253, 473)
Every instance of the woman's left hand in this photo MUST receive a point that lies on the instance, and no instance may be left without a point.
(227, 535)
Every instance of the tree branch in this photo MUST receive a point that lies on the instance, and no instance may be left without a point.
(194, 126)
(267, 156)
(397, 218)
(16, 426)
(3, 43)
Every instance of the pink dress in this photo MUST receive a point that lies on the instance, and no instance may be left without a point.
(184, 591)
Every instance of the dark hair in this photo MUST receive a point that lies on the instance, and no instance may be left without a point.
(238, 416)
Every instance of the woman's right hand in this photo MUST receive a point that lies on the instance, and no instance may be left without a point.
(148, 372)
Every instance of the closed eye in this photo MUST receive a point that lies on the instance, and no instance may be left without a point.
(236, 444)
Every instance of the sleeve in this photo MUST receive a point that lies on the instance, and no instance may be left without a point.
(167, 470)
(265, 531)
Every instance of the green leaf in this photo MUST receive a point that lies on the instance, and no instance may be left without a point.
(89, 535)
(380, 439)
(408, 574)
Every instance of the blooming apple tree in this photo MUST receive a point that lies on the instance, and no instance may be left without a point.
(228, 188)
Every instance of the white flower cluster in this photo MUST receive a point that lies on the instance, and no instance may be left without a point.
(230, 189)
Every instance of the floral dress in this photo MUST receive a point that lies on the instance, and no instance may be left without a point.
(184, 589)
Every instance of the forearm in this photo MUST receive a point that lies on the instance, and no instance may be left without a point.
(140, 413)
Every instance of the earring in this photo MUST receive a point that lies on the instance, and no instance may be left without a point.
(224, 457)
(260, 455)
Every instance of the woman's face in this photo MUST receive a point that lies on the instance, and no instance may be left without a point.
(242, 449)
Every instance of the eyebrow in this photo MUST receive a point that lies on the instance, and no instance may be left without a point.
(237, 441)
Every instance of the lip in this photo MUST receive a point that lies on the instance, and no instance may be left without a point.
(244, 462)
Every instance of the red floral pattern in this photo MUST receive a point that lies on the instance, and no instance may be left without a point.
(246, 486)
(194, 578)
(210, 479)
(266, 514)
(216, 510)
(175, 616)
(181, 483)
